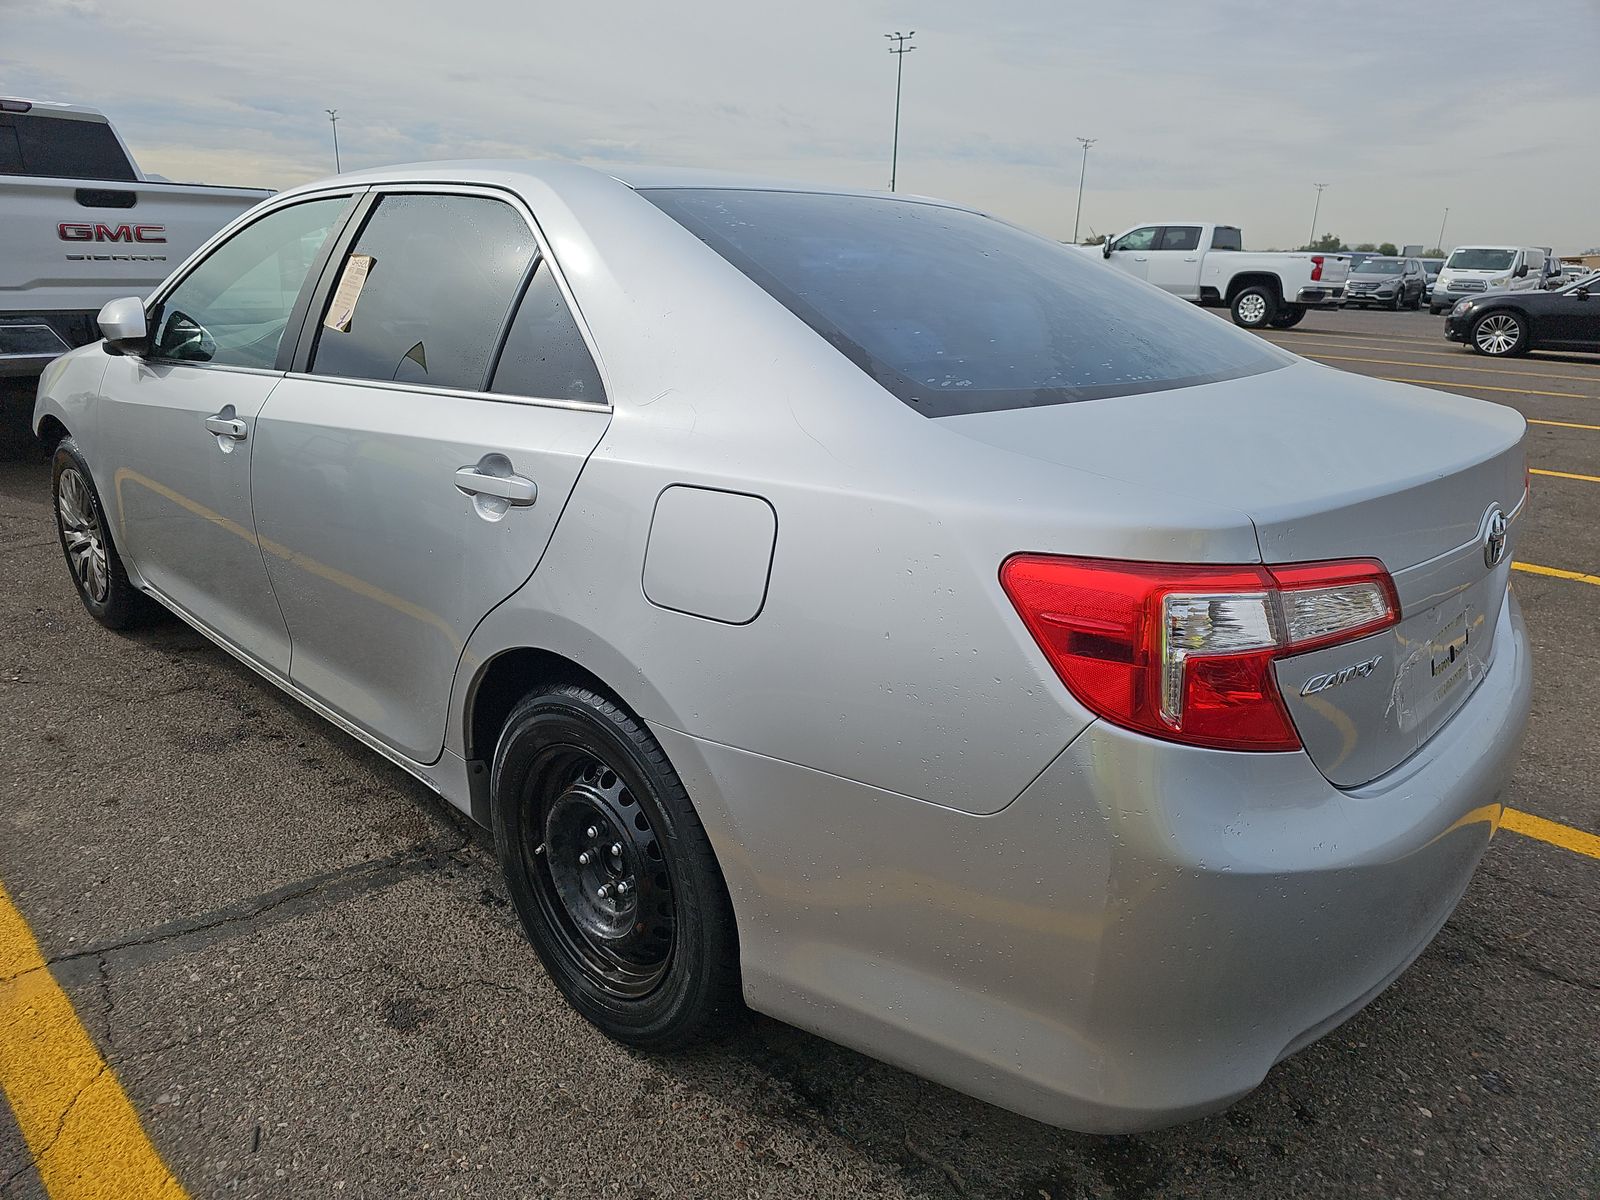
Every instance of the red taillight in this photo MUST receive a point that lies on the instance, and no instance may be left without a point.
(1185, 652)
(1316, 268)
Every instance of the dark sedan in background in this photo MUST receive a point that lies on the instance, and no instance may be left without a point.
(1501, 324)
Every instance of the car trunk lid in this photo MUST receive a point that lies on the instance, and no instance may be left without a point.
(1330, 465)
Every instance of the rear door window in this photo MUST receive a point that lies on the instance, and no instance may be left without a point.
(953, 312)
(545, 356)
(423, 294)
(1179, 237)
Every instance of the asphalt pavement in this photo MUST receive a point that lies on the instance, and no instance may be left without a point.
(303, 972)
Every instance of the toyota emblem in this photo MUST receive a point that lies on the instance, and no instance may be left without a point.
(1494, 538)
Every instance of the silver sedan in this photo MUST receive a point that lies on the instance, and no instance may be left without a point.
(844, 605)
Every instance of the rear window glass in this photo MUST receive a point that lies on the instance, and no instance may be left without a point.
(61, 148)
(1225, 237)
(955, 313)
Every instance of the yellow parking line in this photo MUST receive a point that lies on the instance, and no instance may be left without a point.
(84, 1137)
(1394, 362)
(1565, 475)
(1563, 424)
(1577, 840)
(1484, 387)
(1556, 573)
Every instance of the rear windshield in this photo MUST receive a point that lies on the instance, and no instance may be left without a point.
(61, 147)
(1481, 260)
(1226, 237)
(956, 313)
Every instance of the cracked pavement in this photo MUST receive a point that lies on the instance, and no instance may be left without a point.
(304, 971)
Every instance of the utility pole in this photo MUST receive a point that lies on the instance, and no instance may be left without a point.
(1312, 240)
(899, 50)
(333, 119)
(1084, 170)
(1439, 245)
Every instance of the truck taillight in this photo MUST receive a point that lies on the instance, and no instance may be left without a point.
(1185, 653)
(1316, 268)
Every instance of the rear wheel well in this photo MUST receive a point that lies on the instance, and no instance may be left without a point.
(1239, 282)
(509, 677)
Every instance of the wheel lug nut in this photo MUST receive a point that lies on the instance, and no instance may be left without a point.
(624, 888)
(585, 859)
(616, 849)
(604, 891)
(592, 832)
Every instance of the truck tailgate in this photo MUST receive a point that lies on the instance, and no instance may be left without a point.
(73, 244)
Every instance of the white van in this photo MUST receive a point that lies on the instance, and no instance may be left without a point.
(1473, 270)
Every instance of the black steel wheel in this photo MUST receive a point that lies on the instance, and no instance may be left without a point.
(612, 872)
(602, 886)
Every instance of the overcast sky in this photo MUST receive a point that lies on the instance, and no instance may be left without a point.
(1226, 110)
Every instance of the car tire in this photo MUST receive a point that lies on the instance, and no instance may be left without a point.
(86, 543)
(1434, 310)
(1499, 333)
(1254, 307)
(585, 800)
(1399, 301)
(1291, 316)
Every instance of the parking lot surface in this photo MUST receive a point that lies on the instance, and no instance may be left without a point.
(303, 972)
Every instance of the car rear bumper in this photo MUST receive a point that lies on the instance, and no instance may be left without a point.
(1136, 939)
(1319, 297)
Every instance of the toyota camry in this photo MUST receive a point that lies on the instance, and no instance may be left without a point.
(845, 605)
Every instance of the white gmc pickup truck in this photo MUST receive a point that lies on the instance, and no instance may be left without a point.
(80, 225)
(1207, 263)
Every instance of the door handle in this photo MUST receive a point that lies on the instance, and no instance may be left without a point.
(513, 489)
(1191, 260)
(228, 427)
(1140, 258)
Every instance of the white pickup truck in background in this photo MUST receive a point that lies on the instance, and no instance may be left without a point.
(1207, 263)
(80, 225)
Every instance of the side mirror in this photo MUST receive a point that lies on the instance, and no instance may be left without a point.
(1581, 293)
(1522, 270)
(1105, 248)
(122, 324)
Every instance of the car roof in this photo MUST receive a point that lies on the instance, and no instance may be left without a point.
(636, 176)
(55, 108)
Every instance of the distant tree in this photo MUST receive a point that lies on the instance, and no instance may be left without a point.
(1388, 248)
(1368, 248)
(1436, 252)
(1328, 243)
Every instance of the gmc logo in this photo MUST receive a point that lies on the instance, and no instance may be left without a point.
(70, 231)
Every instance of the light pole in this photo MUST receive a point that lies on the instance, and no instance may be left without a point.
(333, 119)
(1084, 170)
(1439, 245)
(1312, 240)
(899, 50)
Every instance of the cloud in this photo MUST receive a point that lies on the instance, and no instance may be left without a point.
(1227, 110)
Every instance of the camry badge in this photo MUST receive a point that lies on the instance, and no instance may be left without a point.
(1360, 670)
(1494, 538)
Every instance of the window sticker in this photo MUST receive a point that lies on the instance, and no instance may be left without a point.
(343, 309)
